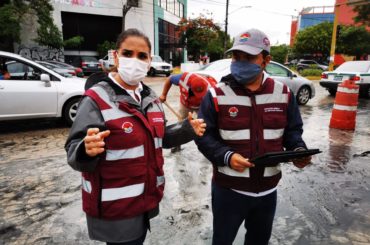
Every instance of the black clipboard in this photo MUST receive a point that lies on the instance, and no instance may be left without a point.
(273, 158)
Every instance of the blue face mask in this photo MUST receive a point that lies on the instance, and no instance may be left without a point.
(245, 72)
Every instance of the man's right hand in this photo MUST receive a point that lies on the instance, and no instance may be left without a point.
(239, 163)
(94, 141)
(162, 98)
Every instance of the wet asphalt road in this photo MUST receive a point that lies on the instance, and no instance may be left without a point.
(328, 202)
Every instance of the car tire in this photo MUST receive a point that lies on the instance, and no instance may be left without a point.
(303, 95)
(300, 69)
(70, 110)
(151, 72)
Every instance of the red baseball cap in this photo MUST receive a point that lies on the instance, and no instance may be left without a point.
(199, 85)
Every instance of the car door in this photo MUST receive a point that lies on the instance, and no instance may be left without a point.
(24, 95)
(283, 75)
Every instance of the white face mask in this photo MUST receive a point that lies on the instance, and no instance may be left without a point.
(132, 70)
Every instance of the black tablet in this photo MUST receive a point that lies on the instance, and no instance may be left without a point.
(272, 158)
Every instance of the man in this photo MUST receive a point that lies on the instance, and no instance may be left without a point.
(193, 88)
(4, 74)
(247, 115)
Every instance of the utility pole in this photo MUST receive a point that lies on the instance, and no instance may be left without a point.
(226, 23)
(333, 38)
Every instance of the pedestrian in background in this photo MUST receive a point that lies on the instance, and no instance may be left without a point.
(247, 115)
(116, 142)
(193, 88)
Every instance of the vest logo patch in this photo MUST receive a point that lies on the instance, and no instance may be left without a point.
(233, 111)
(273, 109)
(128, 127)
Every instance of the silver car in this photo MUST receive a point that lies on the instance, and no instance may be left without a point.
(302, 88)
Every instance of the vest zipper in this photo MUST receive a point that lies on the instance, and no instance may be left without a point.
(253, 129)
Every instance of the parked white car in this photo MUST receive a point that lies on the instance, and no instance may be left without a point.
(34, 91)
(158, 66)
(358, 71)
(302, 88)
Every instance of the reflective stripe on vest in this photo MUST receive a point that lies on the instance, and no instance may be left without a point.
(230, 98)
(276, 97)
(272, 134)
(158, 142)
(86, 185)
(112, 194)
(184, 83)
(160, 180)
(232, 172)
(268, 171)
(114, 112)
(243, 134)
(134, 152)
(271, 171)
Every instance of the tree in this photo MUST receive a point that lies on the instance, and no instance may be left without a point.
(201, 35)
(314, 39)
(73, 42)
(363, 15)
(104, 47)
(353, 40)
(10, 15)
(48, 33)
(14, 13)
(279, 53)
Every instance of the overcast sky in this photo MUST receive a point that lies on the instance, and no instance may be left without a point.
(271, 16)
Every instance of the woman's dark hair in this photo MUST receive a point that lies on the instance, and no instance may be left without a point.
(132, 32)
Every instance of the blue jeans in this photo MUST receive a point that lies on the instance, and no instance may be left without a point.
(230, 209)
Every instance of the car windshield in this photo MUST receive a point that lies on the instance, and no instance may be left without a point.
(218, 65)
(48, 65)
(355, 66)
(157, 59)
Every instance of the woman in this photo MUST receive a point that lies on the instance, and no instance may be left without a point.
(116, 142)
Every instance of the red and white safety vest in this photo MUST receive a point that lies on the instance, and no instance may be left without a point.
(252, 123)
(185, 85)
(129, 178)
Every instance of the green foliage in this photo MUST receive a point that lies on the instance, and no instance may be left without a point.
(314, 39)
(201, 35)
(73, 42)
(10, 28)
(48, 33)
(311, 72)
(363, 15)
(279, 53)
(104, 47)
(353, 40)
(13, 14)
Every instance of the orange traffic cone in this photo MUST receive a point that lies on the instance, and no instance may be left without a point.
(344, 111)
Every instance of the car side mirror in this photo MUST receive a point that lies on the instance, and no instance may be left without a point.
(292, 74)
(46, 79)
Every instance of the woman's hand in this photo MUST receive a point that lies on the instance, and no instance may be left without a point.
(199, 126)
(94, 141)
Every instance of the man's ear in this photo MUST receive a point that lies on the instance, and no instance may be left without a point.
(267, 60)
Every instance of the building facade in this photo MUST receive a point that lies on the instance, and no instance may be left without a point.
(98, 21)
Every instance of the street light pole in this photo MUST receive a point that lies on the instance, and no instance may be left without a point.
(226, 23)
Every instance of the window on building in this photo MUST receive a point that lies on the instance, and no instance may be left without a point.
(170, 49)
